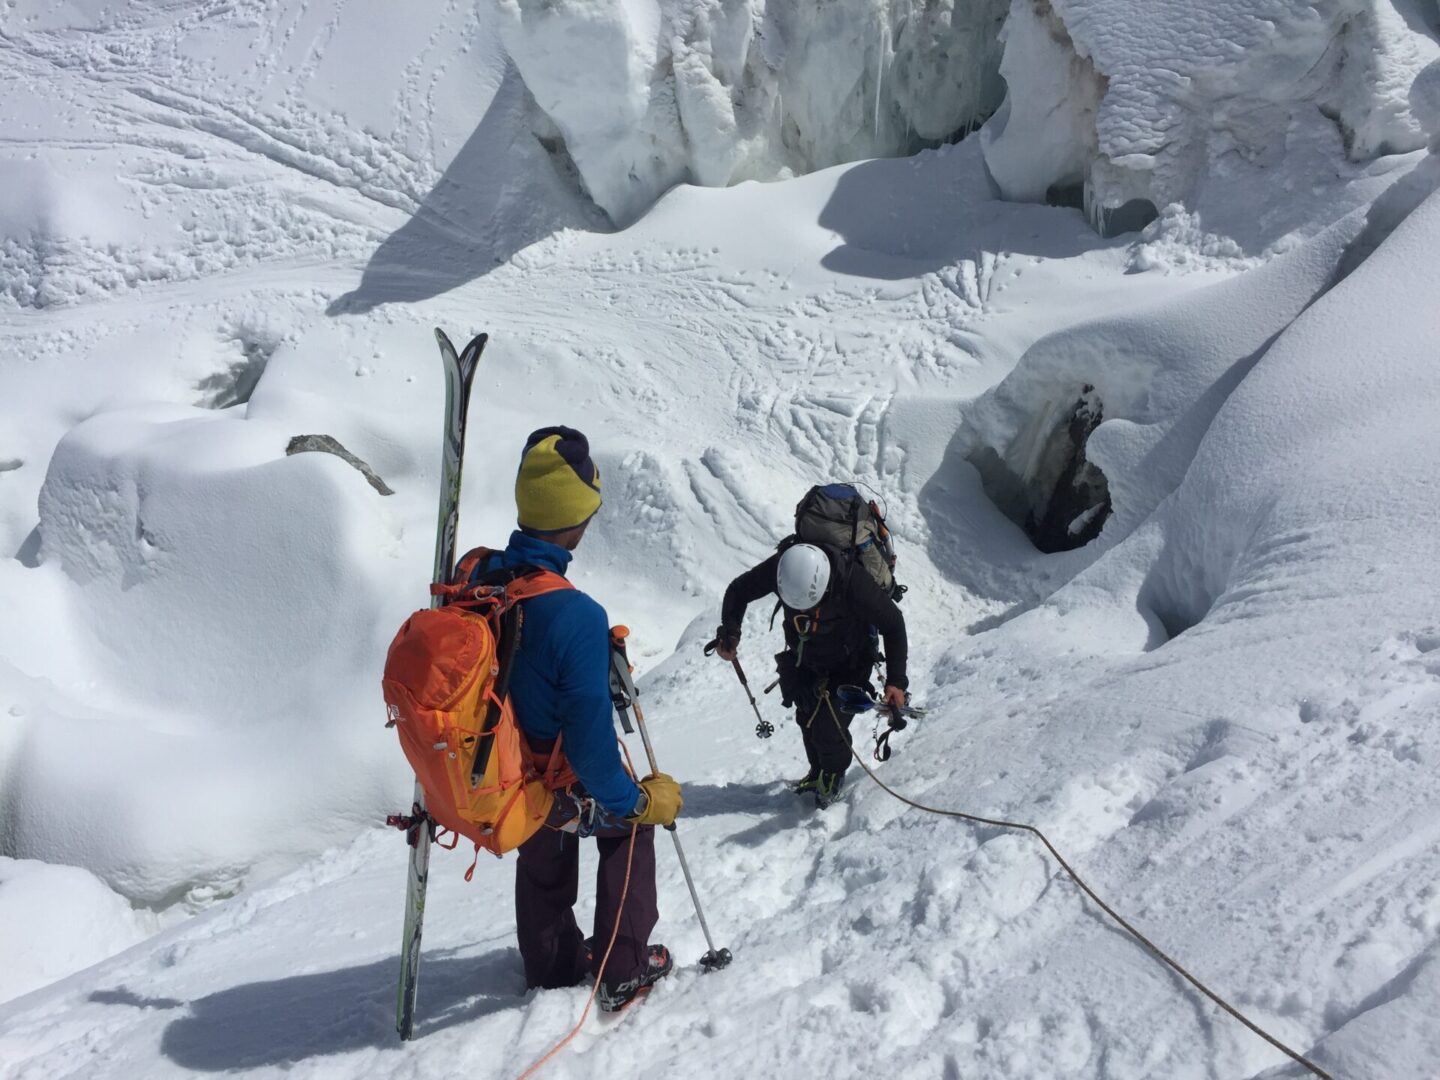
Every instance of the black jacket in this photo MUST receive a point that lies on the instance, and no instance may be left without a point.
(838, 640)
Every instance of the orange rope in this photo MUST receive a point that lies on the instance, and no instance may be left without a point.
(614, 934)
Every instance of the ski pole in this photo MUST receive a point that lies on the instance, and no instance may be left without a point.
(620, 665)
(763, 728)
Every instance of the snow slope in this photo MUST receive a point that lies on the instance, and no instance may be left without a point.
(1224, 709)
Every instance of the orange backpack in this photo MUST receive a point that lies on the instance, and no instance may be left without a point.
(446, 686)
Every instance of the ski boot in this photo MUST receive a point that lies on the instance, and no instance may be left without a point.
(612, 997)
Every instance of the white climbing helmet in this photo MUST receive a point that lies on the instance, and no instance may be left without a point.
(802, 576)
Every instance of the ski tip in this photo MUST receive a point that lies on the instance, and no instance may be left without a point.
(443, 339)
(477, 345)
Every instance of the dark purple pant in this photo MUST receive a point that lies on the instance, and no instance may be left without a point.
(547, 884)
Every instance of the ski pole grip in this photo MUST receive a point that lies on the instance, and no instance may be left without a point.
(618, 637)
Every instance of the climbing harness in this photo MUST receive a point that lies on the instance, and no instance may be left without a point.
(822, 698)
(1154, 949)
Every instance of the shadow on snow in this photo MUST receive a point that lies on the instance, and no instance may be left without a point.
(901, 218)
(285, 1021)
(490, 202)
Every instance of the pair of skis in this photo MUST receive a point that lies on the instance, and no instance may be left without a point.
(459, 373)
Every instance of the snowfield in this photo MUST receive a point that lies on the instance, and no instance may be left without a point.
(226, 226)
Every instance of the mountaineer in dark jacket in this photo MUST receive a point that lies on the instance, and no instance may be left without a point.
(833, 613)
(560, 689)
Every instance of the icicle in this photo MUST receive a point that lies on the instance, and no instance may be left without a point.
(880, 77)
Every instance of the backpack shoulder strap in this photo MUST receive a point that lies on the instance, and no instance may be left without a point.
(469, 562)
(515, 582)
(531, 582)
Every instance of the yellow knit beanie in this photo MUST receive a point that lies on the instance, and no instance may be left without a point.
(558, 486)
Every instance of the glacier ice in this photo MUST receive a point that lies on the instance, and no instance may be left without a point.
(1123, 106)
(651, 93)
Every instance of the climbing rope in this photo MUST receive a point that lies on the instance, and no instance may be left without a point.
(1154, 949)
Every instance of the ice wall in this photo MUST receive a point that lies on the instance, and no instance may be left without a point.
(1124, 106)
(650, 93)
(1145, 99)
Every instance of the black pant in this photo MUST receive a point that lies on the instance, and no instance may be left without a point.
(827, 743)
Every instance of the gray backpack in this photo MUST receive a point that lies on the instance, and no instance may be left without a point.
(838, 518)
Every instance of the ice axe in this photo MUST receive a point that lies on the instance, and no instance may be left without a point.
(763, 728)
(626, 697)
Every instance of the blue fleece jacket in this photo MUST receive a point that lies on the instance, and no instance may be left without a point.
(560, 684)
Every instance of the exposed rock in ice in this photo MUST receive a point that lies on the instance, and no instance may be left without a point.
(328, 444)
(1145, 366)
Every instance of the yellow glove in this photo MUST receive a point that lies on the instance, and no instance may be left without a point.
(660, 801)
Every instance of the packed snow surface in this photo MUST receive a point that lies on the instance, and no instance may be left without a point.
(226, 225)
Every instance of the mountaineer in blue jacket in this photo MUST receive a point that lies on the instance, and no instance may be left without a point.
(560, 690)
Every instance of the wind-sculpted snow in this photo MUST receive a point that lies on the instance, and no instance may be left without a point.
(85, 923)
(1324, 410)
(210, 574)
